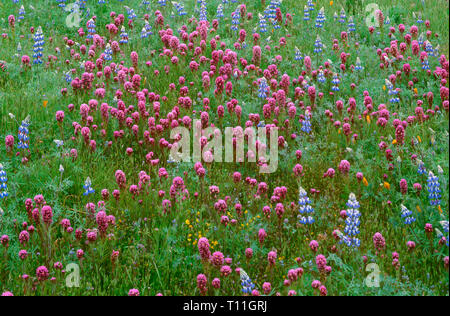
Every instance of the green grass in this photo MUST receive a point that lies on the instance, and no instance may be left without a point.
(158, 251)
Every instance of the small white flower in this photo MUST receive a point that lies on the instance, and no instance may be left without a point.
(61, 168)
(58, 142)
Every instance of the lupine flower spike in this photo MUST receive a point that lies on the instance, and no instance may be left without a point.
(434, 191)
(246, 283)
(38, 46)
(3, 183)
(88, 187)
(306, 123)
(352, 222)
(24, 140)
(407, 216)
(305, 209)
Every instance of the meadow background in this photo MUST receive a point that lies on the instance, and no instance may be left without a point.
(158, 249)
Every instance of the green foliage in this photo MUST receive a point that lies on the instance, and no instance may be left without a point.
(158, 249)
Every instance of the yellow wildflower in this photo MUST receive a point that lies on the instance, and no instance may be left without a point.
(365, 182)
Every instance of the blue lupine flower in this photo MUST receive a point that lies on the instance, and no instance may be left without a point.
(274, 4)
(262, 24)
(219, 13)
(419, 19)
(434, 191)
(123, 36)
(298, 54)
(318, 45)
(444, 225)
(310, 5)
(351, 25)
(263, 89)
(387, 21)
(343, 17)
(320, 77)
(306, 123)
(3, 181)
(358, 65)
(88, 187)
(306, 13)
(180, 9)
(246, 282)
(108, 53)
(305, 85)
(203, 11)
(91, 28)
(148, 28)
(352, 223)
(420, 39)
(320, 19)
(131, 14)
(24, 140)
(38, 46)
(162, 3)
(393, 93)
(421, 169)
(407, 215)
(235, 21)
(61, 3)
(81, 4)
(271, 11)
(21, 13)
(336, 81)
(144, 33)
(68, 77)
(305, 209)
(425, 65)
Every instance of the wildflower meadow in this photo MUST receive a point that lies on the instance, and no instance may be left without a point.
(224, 148)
